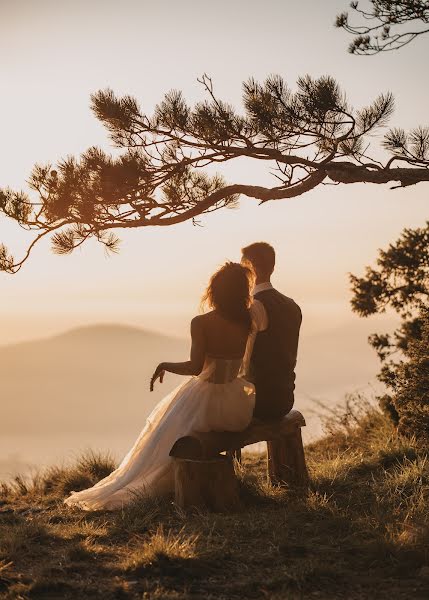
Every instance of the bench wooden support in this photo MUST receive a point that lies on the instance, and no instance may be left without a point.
(205, 477)
(286, 460)
(207, 483)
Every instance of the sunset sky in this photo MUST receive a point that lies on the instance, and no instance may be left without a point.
(56, 53)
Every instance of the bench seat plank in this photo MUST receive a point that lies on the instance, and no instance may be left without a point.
(204, 445)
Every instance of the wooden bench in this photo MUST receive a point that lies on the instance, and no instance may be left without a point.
(206, 477)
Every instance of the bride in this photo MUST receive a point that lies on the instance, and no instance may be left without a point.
(215, 397)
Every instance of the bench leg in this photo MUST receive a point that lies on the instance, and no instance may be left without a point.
(208, 484)
(286, 460)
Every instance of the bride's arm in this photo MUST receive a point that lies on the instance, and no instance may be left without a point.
(194, 365)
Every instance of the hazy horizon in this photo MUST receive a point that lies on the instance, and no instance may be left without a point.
(88, 388)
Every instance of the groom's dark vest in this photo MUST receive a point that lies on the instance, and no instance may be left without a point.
(274, 356)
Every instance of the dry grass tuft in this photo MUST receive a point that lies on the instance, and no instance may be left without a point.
(89, 468)
(159, 546)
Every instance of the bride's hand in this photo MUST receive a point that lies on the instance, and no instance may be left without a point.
(158, 374)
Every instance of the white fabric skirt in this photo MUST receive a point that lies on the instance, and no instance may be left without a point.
(196, 405)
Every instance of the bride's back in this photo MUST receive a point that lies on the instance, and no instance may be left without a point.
(224, 338)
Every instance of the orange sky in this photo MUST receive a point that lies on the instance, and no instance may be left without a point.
(60, 52)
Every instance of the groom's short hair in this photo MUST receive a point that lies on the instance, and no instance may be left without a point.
(261, 255)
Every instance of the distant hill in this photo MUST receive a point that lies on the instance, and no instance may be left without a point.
(93, 378)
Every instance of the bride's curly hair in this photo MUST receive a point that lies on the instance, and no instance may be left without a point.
(228, 292)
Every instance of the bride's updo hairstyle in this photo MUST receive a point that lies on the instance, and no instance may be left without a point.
(228, 292)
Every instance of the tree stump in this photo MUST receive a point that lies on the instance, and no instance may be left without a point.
(210, 483)
(286, 460)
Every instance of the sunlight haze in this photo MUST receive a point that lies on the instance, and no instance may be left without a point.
(58, 53)
(55, 54)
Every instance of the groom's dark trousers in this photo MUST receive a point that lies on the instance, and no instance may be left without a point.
(272, 365)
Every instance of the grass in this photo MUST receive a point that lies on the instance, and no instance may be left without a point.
(362, 531)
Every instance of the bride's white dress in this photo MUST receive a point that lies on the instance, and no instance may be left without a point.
(219, 399)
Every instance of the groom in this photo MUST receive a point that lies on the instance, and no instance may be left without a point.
(272, 365)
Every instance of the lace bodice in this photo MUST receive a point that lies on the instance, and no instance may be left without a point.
(221, 370)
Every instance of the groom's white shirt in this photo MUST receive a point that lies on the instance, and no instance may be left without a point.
(259, 308)
(261, 287)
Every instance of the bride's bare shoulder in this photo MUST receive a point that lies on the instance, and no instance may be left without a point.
(205, 321)
(201, 320)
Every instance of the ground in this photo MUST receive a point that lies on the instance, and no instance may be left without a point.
(360, 532)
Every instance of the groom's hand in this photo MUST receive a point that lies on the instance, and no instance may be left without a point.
(158, 374)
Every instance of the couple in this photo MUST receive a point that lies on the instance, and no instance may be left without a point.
(242, 362)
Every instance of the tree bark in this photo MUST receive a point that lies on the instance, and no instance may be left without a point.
(346, 172)
(208, 484)
(286, 460)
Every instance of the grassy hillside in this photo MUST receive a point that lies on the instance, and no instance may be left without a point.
(361, 532)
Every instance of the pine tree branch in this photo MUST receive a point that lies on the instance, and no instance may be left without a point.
(383, 15)
(306, 138)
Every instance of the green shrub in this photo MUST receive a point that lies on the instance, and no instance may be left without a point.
(411, 395)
